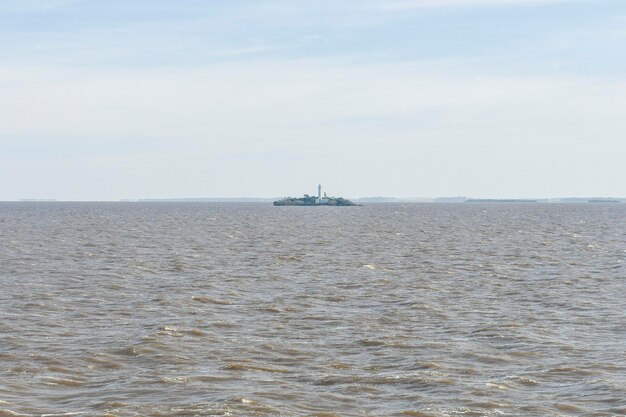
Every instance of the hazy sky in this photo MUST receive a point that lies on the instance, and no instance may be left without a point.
(118, 99)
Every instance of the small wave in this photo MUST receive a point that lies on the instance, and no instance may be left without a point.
(568, 408)
(128, 351)
(430, 365)
(195, 332)
(59, 369)
(207, 300)
(340, 366)
(565, 370)
(249, 407)
(114, 404)
(169, 330)
(63, 381)
(104, 363)
(489, 359)
(503, 387)
(209, 378)
(371, 342)
(244, 367)
(524, 381)
(335, 298)
(9, 413)
(175, 380)
(410, 380)
(523, 353)
(296, 258)
(488, 405)
(225, 324)
(269, 309)
(23, 370)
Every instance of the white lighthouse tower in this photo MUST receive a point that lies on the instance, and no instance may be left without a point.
(319, 194)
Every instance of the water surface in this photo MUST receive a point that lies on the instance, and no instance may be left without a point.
(184, 309)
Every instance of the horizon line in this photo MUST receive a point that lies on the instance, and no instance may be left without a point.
(372, 199)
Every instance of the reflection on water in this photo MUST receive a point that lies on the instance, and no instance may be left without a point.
(156, 309)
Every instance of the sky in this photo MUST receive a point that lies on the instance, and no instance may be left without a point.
(115, 99)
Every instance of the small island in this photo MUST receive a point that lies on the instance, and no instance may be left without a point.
(320, 200)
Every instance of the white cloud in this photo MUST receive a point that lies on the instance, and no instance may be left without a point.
(482, 134)
(197, 102)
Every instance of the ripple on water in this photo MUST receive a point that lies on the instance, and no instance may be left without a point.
(420, 310)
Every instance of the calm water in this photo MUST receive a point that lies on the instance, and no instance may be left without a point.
(133, 309)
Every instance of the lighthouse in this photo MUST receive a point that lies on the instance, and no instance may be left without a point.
(319, 194)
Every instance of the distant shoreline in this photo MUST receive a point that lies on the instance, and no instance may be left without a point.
(363, 200)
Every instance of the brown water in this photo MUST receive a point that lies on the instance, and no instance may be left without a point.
(132, 309)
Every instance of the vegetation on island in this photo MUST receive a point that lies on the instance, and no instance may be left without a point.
(308, 200)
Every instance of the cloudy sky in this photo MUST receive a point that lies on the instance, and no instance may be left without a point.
(102, 100)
